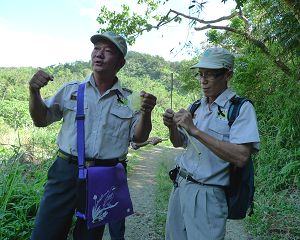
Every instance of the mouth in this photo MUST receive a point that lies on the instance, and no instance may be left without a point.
(98, 62)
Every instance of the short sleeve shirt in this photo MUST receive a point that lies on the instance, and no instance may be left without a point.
(109, 122)
(208, 167)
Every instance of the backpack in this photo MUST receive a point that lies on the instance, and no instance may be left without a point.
(240, 192)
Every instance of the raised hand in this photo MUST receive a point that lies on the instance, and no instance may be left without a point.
(183, 119)
(39, 80)
(168, 118)
(148, 102)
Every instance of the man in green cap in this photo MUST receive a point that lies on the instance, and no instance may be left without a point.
(110, 125)
(198, 207)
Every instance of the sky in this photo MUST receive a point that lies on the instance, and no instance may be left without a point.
(41, 33)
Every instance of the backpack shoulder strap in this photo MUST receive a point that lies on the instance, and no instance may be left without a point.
(234, 108)
(195, 106)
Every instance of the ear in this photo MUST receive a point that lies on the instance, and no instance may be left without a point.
(229, 75)
(121, 64)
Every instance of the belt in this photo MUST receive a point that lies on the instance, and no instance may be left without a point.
(184, 174)
(89, 162)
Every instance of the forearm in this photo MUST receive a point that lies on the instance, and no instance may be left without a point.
(175, 136)
(37, 108)
(238, 154)
(143, 128)
(142, 144)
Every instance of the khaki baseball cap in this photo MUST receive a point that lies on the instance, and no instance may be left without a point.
(116, 39)
(216, 58)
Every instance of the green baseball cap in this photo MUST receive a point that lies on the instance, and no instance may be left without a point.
(216, 58)
(116, 39)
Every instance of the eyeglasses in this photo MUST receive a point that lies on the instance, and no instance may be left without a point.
(210, 75)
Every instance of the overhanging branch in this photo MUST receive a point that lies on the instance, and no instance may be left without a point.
(251, 39)
(246, 33)
(204, 21)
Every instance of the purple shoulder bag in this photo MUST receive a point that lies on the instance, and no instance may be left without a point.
(102, 191)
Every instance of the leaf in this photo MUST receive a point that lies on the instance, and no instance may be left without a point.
(134, 101)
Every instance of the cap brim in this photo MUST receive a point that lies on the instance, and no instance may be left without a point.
(97, 37)
(207, 65)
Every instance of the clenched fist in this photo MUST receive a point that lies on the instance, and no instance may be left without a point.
(39, 80)
(168, 118)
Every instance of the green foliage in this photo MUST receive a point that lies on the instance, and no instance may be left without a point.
(187, 77)
(21, 187)
(15, 113)
(276, 98)
(124, 23)
(276, 23)
(13, 83)
(163, 101)
(162, 192)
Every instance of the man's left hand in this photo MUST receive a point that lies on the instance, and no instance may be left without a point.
(148, 102)
(183, 118)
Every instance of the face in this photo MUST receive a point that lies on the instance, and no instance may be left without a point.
(213, 82)
(106, 58)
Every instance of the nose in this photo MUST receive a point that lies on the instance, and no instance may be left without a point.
(203, 79)
(99, 53)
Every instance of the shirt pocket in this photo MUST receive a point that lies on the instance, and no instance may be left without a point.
(219, 130)
(69, 112)
(121, 119)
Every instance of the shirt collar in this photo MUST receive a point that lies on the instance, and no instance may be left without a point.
(115, 88)
(222, 99)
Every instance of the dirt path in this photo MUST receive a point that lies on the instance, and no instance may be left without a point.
(139, 226)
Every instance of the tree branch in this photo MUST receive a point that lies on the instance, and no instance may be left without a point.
(204, 21)
(247, 34)
(254, 41)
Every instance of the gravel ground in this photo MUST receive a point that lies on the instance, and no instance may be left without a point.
(139, 226)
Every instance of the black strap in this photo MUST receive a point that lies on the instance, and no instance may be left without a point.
(235, 107)
(233, 111)
(194, 106)
(191, 179)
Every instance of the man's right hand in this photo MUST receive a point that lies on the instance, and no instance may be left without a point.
(168, 118)
(39, 80)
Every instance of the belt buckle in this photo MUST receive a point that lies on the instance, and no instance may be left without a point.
(90, 163)
(184, 173)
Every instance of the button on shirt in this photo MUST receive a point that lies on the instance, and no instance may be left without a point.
(109, 122)
(208, 167)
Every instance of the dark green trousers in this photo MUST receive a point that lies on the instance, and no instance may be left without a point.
(54, 217)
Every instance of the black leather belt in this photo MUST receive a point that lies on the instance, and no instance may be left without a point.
(88, 161)
(184, 174)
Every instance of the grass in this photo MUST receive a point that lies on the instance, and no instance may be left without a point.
(21, 187)
(162, 193)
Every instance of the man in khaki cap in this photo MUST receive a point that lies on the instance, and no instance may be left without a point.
(110, 125)
(197, 206)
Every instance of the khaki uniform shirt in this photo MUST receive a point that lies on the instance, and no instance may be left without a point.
(208, 167)
(109, 123)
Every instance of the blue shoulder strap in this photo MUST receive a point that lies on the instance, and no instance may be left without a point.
(80, 131)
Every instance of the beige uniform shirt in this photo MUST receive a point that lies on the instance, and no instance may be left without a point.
(109, 122)
(208, 167)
